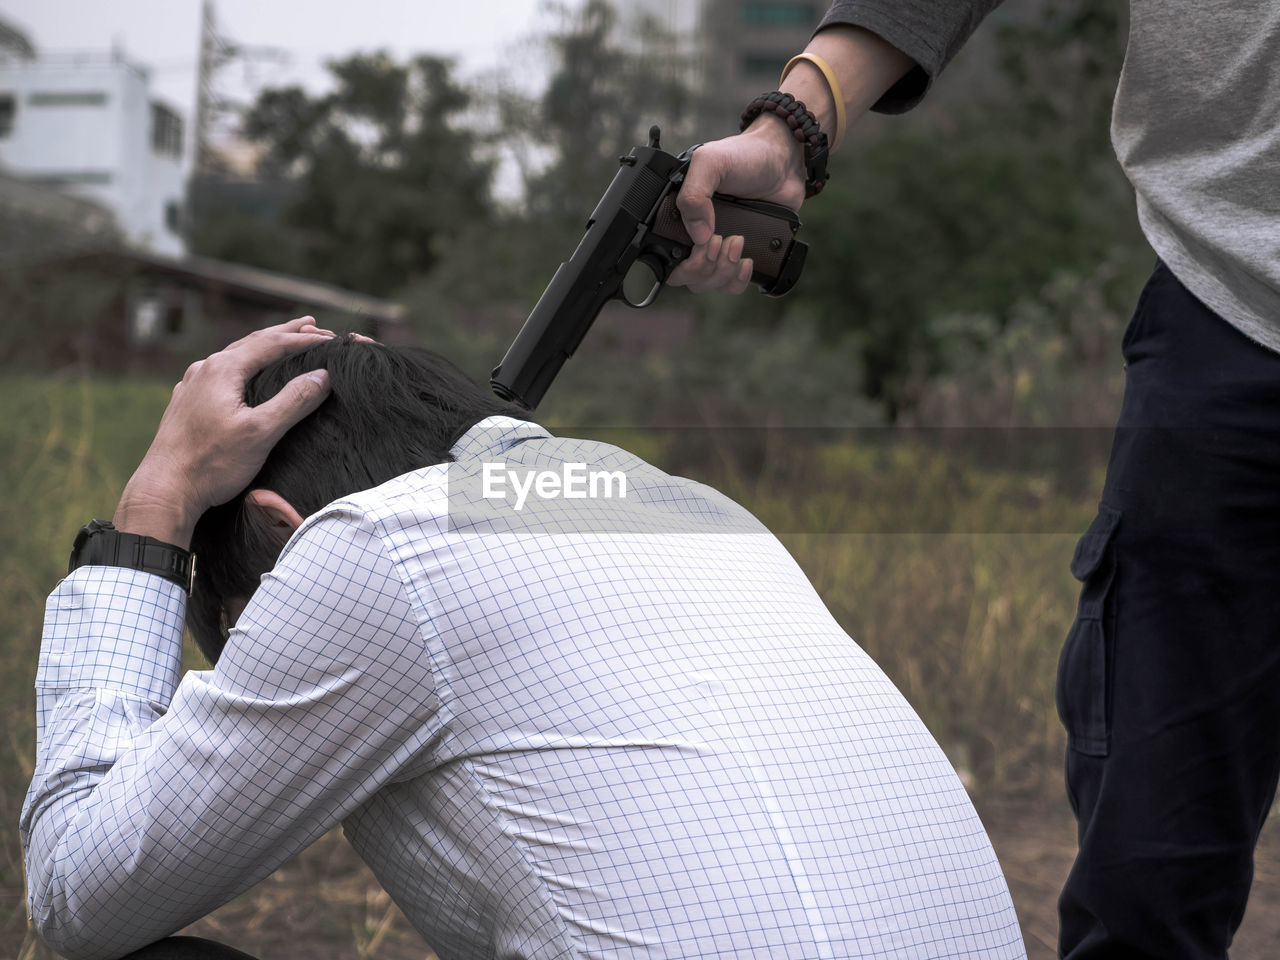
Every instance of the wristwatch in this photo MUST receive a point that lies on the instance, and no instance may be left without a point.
(100, 544)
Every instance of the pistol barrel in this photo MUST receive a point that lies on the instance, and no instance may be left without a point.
(587, 281)
(548, 338)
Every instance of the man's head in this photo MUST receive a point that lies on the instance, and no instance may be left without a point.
(390, 410)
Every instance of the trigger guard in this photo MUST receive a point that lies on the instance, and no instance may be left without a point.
(655, 270)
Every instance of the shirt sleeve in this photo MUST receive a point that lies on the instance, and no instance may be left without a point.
(931, 32)
(153, 802)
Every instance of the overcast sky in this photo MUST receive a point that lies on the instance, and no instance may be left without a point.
(164, 34)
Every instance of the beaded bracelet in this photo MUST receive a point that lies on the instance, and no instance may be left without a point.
(804, 127)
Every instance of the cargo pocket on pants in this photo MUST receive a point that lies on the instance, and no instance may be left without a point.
(1082, 691)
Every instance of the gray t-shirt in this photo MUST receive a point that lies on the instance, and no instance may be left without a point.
(1196, 126)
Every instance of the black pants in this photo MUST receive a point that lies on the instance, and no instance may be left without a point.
(187, 948)
(1169, 681)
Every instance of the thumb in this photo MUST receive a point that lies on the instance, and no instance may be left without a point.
(299, 397)
(694, 199)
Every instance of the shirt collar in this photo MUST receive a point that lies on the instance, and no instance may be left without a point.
(493, 436)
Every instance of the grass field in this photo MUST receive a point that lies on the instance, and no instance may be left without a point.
(951, 573)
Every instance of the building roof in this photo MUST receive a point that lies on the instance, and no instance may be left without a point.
(38, 221)
(268, 285)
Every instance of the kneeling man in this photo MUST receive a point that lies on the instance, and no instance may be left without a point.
(574, 722)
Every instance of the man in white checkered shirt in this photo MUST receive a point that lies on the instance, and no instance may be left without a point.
(612, 725)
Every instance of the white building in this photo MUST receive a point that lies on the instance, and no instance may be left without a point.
(87, 124)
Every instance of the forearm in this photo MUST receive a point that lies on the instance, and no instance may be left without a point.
(154, 802)
(151, 507)
(110, 659)
(883, 55)
(928, 32)
(865, 66)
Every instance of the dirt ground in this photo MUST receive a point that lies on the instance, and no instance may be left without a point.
(327, 906)
(1036, 843)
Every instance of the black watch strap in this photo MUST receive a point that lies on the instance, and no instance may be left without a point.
(100, 544)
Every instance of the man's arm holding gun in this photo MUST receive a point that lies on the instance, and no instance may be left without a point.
(634, 240)
(682, 217)
(765, 160)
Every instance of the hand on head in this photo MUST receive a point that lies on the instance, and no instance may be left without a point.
(210, 443)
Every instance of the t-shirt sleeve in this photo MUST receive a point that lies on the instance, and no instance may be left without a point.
(931, 32)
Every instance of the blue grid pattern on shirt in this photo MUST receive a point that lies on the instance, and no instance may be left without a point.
(650, 741)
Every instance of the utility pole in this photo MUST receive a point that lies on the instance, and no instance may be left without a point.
(216, 51)
(213, 54)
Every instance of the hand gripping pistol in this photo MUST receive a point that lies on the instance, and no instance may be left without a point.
(636, 228)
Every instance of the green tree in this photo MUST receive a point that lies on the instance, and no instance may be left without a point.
(610, 81)
(610, 78)
(975, 211)
(382, 176)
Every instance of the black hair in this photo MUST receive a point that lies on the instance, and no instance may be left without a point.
(390, 410)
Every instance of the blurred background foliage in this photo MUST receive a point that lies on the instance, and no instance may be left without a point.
(934, 239)
(374, 178)
(971, 267)
(990, 230)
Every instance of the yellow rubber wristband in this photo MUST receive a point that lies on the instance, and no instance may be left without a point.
(830, 77)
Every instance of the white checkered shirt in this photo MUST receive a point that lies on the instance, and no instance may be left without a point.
(621, 727)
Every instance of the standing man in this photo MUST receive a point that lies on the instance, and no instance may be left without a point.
(1169, 681)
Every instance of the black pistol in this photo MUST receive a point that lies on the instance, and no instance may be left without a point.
(636, 225)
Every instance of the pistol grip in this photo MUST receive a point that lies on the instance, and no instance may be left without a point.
(768, 231)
